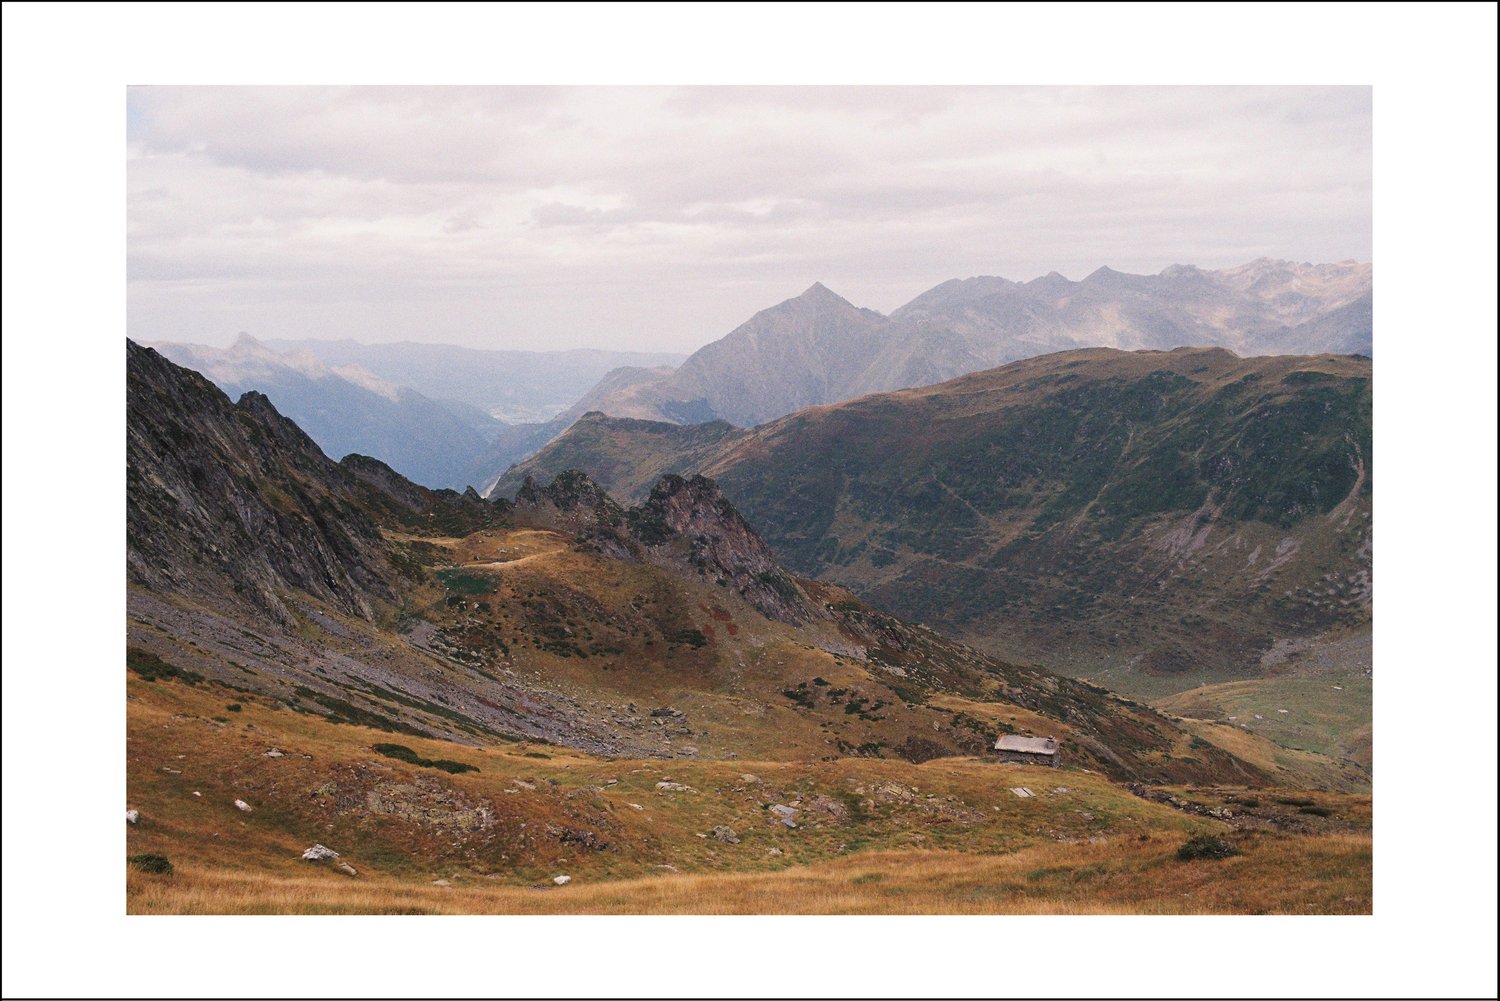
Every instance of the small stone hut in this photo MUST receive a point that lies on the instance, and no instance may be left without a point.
(1029, 750)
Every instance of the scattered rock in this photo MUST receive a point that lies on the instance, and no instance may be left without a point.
(666, 712)
(197, 793)
(1023, 792)
(562, 880)
(674, 787)
(275, 753)
(832, 807)
(242, 806)
(773, 852)
(518, 783)
(441, 882)
(749, 779)
(582, 838)
(347, 869)
(635, 806)
(785, 814)
(669, 868)
(320, 853)
(132, 816)
(726, 835)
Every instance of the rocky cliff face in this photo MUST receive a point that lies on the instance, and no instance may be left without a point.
(234, 500)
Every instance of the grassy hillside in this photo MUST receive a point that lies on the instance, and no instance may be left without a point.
(1327, 715)
(870, 836)
(1148, 519)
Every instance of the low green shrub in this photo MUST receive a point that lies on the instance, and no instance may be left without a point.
(152, 863)
(1206, 846)
(152, 668)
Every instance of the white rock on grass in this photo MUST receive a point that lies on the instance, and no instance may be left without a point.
(347, 869)
(132, 816)
(242, 806)
(320, 853)
(562, 880)
(674, 787)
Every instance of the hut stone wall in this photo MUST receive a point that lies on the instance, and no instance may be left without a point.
(1022, 757)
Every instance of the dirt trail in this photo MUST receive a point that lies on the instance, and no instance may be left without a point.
(496, 564)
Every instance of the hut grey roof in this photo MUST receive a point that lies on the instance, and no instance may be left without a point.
(1026, 745)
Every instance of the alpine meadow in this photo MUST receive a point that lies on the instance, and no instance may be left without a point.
(636, 500)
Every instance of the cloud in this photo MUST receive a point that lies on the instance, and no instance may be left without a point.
(662, 217)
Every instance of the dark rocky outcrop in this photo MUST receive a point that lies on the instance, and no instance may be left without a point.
(233, 499)
(690, 521)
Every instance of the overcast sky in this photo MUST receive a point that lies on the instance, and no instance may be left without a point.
(657, 218)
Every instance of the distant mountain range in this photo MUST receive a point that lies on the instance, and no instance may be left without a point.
(427, 410)
(512, 386)
(350, 409)
(448, 416)
(1152, 519)
(818, 348)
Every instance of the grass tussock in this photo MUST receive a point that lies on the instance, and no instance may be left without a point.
(151, 862)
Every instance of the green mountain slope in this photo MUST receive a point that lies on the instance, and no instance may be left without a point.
(1152, 519)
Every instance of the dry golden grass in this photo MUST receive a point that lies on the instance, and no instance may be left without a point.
(961, 843)
(1324, 875)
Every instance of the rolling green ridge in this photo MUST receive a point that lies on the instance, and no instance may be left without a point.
(1154, 519)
